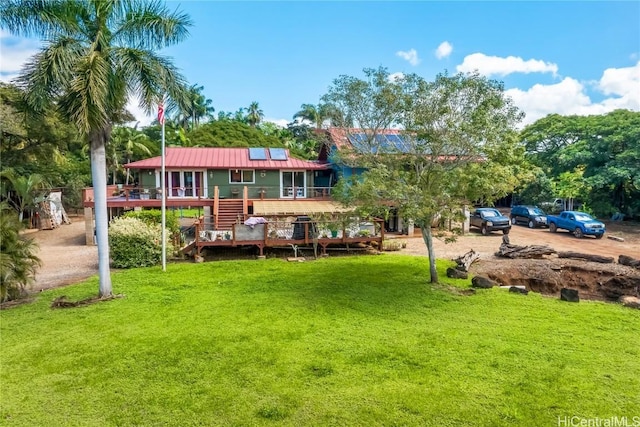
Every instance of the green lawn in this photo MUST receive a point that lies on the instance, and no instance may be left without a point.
(339, 341)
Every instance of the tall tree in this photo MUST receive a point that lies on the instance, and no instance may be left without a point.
(254, 114)
(97, 52)
(458, 144)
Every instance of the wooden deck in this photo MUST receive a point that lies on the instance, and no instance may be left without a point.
(283, 231)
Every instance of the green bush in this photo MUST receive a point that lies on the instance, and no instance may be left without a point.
(135, 243)
(154, 217)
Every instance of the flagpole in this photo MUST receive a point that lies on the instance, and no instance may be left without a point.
(164, 193)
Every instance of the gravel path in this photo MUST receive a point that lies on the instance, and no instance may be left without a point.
(65, 257)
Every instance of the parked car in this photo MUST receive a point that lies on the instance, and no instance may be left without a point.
(579, 223)
(533, 216)
(488, 220)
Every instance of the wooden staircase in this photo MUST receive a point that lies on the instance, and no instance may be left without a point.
(229, 212)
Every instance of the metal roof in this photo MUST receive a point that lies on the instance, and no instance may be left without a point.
(221, 158)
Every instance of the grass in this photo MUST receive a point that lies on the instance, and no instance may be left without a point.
(339, 341)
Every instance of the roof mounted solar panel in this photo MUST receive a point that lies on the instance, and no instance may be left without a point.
(278, 153)
(257, 154)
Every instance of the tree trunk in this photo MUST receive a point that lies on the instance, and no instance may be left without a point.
(98, 139)
(587, 257)
(428, 240)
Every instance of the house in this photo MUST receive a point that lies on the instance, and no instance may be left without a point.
(231, 185)
(341, 140)
(267, 173)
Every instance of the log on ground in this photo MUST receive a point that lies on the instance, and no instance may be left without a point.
(531, 251)
(464, 261)
(627, 260)
(586, 257)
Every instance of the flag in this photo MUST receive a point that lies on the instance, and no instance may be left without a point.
(161, 113)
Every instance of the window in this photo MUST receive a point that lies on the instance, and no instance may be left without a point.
(241, 176)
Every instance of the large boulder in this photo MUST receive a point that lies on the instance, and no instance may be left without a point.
(455, 273)
(482, 282)
(630, 301)
(570, 295)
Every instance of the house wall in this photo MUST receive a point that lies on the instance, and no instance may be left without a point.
(270, 183)
(220, 177)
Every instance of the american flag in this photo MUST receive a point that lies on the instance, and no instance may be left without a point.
(161, 113)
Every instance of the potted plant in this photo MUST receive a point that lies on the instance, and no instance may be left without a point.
(227, 236)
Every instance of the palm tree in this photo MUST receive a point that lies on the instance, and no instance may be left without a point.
(196, 108)
(254, 114)
(18, 262)
(129, 143)
(97, 52)
(319, 114)
(23, 191)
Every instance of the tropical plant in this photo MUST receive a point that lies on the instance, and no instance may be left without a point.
(23, 191)
(18, 260)
(319, 114)
(254, 114)
(197, 108)
(96, 54)
(127, 144)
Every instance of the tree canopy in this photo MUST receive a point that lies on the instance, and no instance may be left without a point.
(595, 158)
(460, 145)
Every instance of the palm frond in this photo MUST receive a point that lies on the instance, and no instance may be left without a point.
(150, 25)
(46, 18)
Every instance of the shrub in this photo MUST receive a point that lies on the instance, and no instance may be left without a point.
(154, 217)
(391, 245)
(18, 260)
(134, 243)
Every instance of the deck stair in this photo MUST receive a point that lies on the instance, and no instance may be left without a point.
(230, 211)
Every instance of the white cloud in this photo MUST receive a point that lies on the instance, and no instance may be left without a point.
(444, 50)
(278, 122)
(411, 56)
(15, 51)
(394, 77)
(141, 116)
(621, 85)
(495, 65)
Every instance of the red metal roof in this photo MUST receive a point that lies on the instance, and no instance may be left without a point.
(221, 158)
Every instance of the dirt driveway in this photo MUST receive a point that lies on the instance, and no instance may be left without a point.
(66, 259)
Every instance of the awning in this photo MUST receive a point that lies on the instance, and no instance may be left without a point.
(296, 207)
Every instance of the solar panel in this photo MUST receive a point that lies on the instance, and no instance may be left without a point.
(257, 154)
(278, 153)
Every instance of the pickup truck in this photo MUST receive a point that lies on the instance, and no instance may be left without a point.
(579, 223)
(488, 220)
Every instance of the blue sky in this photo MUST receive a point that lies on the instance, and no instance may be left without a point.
(553, 57)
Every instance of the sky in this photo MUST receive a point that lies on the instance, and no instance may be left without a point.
(553, 57)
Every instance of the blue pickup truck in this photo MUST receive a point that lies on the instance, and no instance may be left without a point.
(579, 223)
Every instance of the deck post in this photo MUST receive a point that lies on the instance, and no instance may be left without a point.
(88, 226)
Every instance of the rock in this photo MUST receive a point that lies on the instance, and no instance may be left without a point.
(454, 273)
(482, 282)
(198, 258)
(570, 295)
(629, 301)
(518, 290)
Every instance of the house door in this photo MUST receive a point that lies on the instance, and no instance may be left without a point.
(185, 184)
(293, 183)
